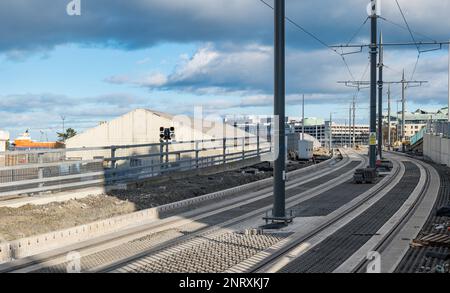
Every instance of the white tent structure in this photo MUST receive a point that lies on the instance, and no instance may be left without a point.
(142, 126)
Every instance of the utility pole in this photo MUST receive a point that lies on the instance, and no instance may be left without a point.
(389, 117)
(279, 209)
(373, 85)
(403, 82)
(354, 122)
(303, 118)
(449, 83)
(331, 132)
(63, 118)
(380, 99)
(350, 126)
(397, 133)
(403, 111)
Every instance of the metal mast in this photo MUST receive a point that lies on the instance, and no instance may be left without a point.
(303, 118)
(279, 105)
(350, 126)
(373, 85)
(380, 99)
(389, 118)
(354, 121)
(402, 137)
(331, 132)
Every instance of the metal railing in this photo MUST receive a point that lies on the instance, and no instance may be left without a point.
(418, 136)
(40, 171)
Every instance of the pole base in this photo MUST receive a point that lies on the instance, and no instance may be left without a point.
(279, 220)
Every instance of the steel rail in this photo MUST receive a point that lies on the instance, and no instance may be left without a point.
(291, 246)
(11, 267)
(209, 230)
(384, 243)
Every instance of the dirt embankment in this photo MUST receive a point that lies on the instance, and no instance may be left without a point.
(29, 220)
(16, 223)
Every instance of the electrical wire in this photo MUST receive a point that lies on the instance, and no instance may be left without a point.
(407, 25)
(405, 28)
(295, 24)
(358, 31)
(413, 38)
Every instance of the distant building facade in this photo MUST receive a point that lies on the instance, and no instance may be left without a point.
(416, 121)
(341, 135)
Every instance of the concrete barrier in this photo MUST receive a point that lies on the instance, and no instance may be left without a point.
(437, 149)
(46, 242)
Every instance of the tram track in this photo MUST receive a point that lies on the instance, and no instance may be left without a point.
(40, 263)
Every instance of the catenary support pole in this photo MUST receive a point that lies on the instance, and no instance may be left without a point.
(402, 138)
(354, 122)
(380, 99)
(331, 133)
(303, 118)
(350, 126)
(280, 162)
(373, 85)
(389, 118)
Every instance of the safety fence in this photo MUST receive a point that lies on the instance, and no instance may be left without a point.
(42, 171)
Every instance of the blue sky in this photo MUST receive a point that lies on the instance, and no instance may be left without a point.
(173, 55)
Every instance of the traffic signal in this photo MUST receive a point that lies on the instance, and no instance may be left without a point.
(167, 133)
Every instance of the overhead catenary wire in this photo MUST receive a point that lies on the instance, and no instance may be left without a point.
(407, 25)
(405, 28)
(295, 24)
(413, 39)
(358, 31)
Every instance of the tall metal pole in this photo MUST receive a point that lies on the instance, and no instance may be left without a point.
(403, 111)
(380, 99)
(303, 118)
(350, 126)
(317, 132)
(449, 83)
(280, 162)
(397, 134)
(389, 118)
(331, 131)
(354, 122)
(373, 86)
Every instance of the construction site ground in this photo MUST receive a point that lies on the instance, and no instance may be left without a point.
(29, 220)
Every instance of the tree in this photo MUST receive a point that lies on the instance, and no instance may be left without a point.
(393, 134)
(70, 132)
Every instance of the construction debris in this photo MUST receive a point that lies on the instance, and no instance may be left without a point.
(440, 226)
(367, 176)
(385, 165)
(441, 240)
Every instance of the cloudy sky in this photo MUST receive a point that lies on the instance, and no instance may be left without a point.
(172, 55)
